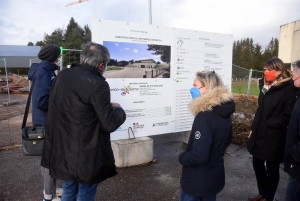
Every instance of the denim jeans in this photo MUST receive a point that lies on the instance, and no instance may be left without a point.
(84, 192)
(187, 197)
(293, 190)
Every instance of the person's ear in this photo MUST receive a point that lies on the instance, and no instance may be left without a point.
(55, 61)
(101, 67)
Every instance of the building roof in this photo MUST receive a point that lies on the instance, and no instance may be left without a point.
(144, 60)
(18, 55)
(18, 62)
(19, 51)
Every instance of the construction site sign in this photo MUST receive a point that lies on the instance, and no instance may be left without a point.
(152, 69)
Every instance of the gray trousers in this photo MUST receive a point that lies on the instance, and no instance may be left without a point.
(49, 184)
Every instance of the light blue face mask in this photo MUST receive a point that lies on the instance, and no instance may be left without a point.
(195, 92)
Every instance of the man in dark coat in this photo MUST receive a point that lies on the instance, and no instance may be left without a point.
(81, 117)
(42, 76)
(292, 145)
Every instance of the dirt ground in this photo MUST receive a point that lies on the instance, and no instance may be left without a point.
(9, 111)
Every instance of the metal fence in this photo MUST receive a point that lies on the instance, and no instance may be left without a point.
(247, 75)
(154, 73)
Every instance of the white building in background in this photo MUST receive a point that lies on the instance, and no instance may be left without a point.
(18, 58)
(289, 42)
(144, 63)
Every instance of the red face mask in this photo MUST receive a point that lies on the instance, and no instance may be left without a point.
(270, 76)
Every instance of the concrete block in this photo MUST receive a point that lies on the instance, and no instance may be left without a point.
(132, 152)
(186, 136)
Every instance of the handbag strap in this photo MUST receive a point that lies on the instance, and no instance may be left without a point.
(27, 108)
(130, 129)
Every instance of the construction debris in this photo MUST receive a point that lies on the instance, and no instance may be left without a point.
(16, 84)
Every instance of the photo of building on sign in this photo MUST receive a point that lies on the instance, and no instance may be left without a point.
(135, 60)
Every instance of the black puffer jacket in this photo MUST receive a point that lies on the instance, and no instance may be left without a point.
(271, 120)
(80, 120)
(202, 162)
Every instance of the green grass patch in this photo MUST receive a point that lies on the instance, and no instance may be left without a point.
(114, 68)
(242, 87)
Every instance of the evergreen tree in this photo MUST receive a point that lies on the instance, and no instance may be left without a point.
(39, 43)
(248, 55)
(87, 34)
(73, 40)
(271, 50)
(56, 38)
(258, 61)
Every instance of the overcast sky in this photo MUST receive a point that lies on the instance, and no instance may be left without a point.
(22, 21)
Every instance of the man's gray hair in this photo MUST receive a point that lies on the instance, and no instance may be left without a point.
(94, 54)
(296, 65)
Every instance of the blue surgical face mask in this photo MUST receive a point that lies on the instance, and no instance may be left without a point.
(195, 92)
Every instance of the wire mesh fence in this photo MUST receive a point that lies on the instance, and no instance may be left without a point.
(245, 81)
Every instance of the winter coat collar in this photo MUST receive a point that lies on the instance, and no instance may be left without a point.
(89, 68)
(49, 66)
(282, 81)
(211, 99)
(279, 83)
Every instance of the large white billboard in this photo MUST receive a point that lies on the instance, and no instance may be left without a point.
(152, 69)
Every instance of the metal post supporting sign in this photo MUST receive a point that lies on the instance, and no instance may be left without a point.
(61, 55)
(6, 77)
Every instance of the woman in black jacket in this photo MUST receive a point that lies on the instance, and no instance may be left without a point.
(269, 127)
(203, 174)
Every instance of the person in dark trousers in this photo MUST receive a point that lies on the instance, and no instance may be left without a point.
(42, 76)
(81, 117)
(203, 174)
(267, 136)
(292, 144)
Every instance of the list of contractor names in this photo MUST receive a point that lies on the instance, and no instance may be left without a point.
(194, 55)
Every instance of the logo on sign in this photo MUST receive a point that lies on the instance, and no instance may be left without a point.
(125, 90)
(160, 124)
(137, 126)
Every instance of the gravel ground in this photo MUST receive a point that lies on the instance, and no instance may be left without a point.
(20, 177)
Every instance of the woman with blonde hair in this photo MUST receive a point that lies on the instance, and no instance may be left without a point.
(267, 136)
(203, 174)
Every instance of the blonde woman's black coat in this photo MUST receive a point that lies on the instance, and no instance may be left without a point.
(270, 123)
(202, 162)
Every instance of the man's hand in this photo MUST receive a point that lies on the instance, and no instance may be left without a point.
(249, 134)
(114, 105)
